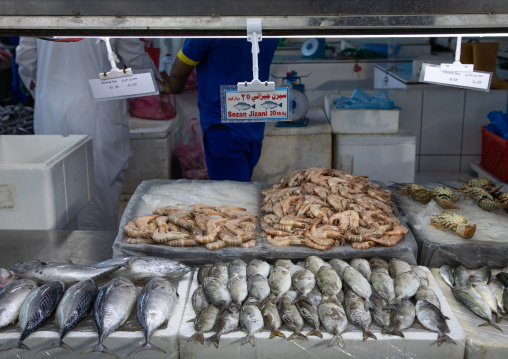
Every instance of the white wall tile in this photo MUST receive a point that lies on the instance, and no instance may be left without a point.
(478, 105)
(442, 120)
(465, 162)
(410, 115)
(439, 163)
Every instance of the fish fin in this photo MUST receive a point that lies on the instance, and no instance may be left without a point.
(303, 298)
(491, 324)
(336, 340)
(191, 320)
(316, 333)
(147, 346)
(18, 345)
(442, 338)
(276, 333)
(215, 339)
(98, 348)
(57, 344)
(499, 318)
(391, 307)
(249, 338)
(369, 305)
(298, 335)
(444, 316)
(396, 332)
(368, 334)
(197, 336)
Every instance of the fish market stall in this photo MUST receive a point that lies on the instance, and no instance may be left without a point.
(155, 194)
(481, 341)
(488, 245)
(82, 247)
(418, 342)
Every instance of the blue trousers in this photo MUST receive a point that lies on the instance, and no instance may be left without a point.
(228, 157)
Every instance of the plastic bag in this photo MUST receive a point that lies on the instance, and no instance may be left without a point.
(499, 123)
(362, 100)
(190, 151)
(154, 107)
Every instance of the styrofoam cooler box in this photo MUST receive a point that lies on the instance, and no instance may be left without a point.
(122, 341)
(153, 147)
(45, 180)
(389, 157)
(361, 121)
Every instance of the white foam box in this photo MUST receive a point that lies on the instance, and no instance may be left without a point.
(287, 149)
(45, 180)
(153, 151)
(381, 157)
(418, 343)
(360, 121)
(123, 341)
(481, 342)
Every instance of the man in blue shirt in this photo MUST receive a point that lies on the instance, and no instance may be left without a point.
(232, 150)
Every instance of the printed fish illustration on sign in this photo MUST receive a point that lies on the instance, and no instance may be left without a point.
(242, 106)
(270, 104)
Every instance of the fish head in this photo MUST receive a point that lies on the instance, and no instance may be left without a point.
(24, 267)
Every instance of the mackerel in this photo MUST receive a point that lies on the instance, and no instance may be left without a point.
(475, 303)
(36, 309)
(12, 298)
(447, 275)
(156, 304)
(112, 307)
(497, 289)
(74, 306)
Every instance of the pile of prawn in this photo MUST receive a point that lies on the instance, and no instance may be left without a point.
(320, 208)
(199, 224)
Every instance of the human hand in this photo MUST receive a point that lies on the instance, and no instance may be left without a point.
(164, 82)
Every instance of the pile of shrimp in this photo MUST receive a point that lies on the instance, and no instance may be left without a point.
(320, 208)
(199, 224)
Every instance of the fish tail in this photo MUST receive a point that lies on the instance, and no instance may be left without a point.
(17, 345)
(280, 104)
(215, 339)
(368, 334)
(254, 106)
(442, 338)
(98, 348)
(491, 324)
(336, 340)
(316, 333)
(276, 333)
(191, 320)
(297, 335)
(58, 344)
(197, 336)
(395, 332)
(147, 346)
(249, 338)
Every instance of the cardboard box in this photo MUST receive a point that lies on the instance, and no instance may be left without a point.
(45, 180)
(361, 121)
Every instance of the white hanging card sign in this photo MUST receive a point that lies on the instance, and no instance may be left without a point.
(450, 76)
(141, 83)
(255, 106)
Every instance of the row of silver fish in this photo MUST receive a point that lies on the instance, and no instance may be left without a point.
(137, 269)
(483, 294)
(112, 305)
(332, 294)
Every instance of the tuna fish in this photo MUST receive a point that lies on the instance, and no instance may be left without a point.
(6, 277)
(74, 306)
(36, 309)
(12, 298)
(112, 307)
(68, 273)
(143, 269)
(156, 303)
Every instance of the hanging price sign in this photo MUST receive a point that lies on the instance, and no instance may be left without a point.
(449, 75)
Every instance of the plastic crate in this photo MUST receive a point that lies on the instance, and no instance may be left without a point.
(495, 155)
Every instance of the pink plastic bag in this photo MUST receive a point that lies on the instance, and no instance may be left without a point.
(152, 107)
(190, 151)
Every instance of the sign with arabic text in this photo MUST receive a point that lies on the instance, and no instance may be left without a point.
(256, 106)
(473, 80)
